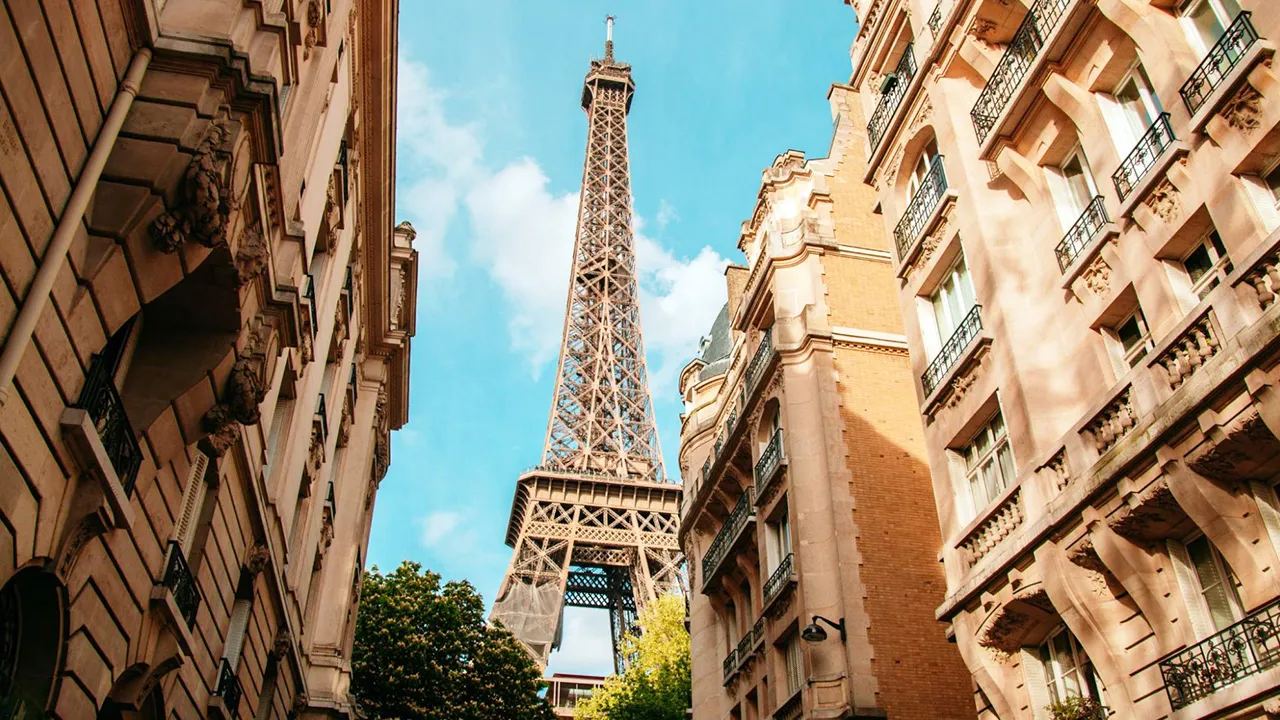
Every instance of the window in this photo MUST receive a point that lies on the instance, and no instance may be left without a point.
(1216, 584)
(779, 538)
(1072, 187)
(1138, 109)
(1207, 264)
(951, 303)
(988, 463)
(920, 172)
(1272, 180)
(793, 655)
(1067, 670)
(1207, 20)
(1134, 337)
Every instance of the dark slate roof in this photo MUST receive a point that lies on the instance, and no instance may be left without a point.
(716, 353)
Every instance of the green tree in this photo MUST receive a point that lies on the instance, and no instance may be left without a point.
(657, 683)
(423, 650)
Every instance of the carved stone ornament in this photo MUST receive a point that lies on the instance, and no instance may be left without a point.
(397, 313)
(283, 641)
(314, 18)
(251, 257)
(300, 701)
(1243, 110)
(255, 560)
(1113, 423)
(1097, 277)
(223, 431)
(315, 454)
(1165, 201)
(1057, 470)
(381, 457)
(922, 116)
(244, 392)
(204, 203)
(344, 426)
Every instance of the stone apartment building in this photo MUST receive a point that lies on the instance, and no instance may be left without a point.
(808, 518)
(1082, 196)
(205, 317)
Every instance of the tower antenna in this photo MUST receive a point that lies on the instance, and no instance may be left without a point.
(608, 37)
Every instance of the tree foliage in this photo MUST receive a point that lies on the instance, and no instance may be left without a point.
(423, 650)
(657, 683)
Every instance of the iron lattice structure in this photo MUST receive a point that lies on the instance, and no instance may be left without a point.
(595, 525)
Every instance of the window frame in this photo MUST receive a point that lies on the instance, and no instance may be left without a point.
(1087, 678)
(1192, 32)
(1060, 187)
(1133, 354)
(920, 170)
(959, 270)
(1226, 577)
(974, 470)
(1220, 263)
(1118, 119)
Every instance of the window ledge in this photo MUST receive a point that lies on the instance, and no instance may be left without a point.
(1260, 49)
(89, 451)
(1177, 149)
(162, 600)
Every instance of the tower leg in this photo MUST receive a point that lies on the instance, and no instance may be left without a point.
(532, 595)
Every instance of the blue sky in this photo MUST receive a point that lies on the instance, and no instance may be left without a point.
(491, 139)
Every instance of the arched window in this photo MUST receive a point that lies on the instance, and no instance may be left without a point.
(32, 638)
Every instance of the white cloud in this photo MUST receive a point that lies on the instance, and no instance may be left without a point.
(524, 239)
(439, 525)
(666, 214)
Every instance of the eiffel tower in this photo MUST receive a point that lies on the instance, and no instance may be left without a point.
(595, 524)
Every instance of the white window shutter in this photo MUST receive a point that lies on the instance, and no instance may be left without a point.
(235, 633)
(1037, 683)
(1189, 587)
(192, 498)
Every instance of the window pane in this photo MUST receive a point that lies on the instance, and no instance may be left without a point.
(1205, 23)
(997, 425)
(991, 478)
(1214, 586)
(1005, 458)
(1135, 112)
(1130, 333)
(1216, 242)
(1273, 182)
(1077, 183)
(1198, 263)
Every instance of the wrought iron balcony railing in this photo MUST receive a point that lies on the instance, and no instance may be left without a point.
(757, 632)
(758, 361)
(1218, 63)
(1243, 649)
(952, 350)
(891, 96)
(730, 665)
(935, 20)
(768, 463)
(1143, 156)
(228, 689)
(718, 446)
(922, 205)
(779, 579)
(744, 648)
(100, 399)
(348, 292)
(181, 583)
(1081, 235)
(706, 470)
(1026, 44)
(723, 542)
(346, 170)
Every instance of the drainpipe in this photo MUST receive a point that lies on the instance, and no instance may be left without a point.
(55, 257)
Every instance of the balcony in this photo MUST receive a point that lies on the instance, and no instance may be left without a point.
(322, 417)
(745, 644)
(1222, 58)
(1143, 157)
(1082, 235)
(771, 460)
(1027, 42)
(935, 21)
(227, 693)
(951, 352)
(181, 583)
(730, 665)
(893, 88)
(760, 360)
(782, 578)
(309, 294)
(921, 208)
(742, 514)
(1238, 652)
(348, 292)
(100, 400)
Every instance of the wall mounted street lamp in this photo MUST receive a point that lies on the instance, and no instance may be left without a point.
(813, 632)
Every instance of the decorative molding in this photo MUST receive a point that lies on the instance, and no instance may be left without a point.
(870, 338)
(1097, 276)
(1113, 423)
(205, 201)
(1164, 200)
(1244, 110)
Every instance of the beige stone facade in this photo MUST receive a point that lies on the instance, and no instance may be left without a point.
(205, 315)
(806, 486)
(1082, 196)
